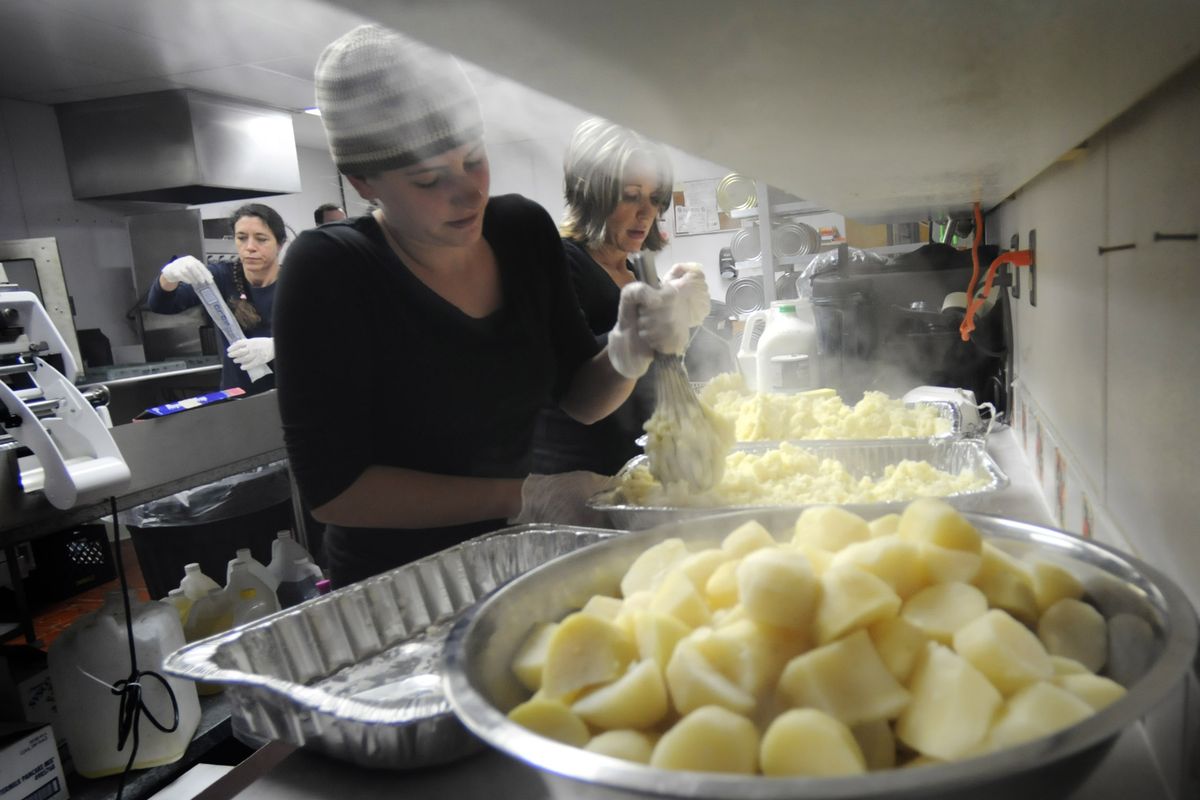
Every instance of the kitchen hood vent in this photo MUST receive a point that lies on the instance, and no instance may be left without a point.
(177, 146)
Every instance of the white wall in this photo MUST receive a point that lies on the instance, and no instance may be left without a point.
(1109, 361)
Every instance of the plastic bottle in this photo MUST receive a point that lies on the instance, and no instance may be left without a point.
(210, 615)
(257, 567)
(300, 582)
(195, 583)
(178, 599)
(98, 645)
(284, 552)
(241, 577)
(746, 355)
(786, 354)
(250, 607)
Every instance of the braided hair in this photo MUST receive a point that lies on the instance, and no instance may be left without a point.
(239, 302)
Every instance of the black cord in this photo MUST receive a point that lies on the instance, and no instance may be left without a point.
(130, 689)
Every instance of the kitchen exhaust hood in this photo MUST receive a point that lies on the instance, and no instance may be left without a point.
(177, 146)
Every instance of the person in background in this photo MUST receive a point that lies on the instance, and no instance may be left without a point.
(410, 381)
(248, 286)
(616, 183)
(328, 212)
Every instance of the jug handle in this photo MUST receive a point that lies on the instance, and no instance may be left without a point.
(748, 330)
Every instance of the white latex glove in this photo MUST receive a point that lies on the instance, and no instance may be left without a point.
(688, 279)
(562, 498)
(251, 353)
(187, 269)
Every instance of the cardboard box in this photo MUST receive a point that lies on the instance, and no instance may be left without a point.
(29, 765)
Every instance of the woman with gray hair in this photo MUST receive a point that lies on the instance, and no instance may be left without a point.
(416, 344)
(616, 183)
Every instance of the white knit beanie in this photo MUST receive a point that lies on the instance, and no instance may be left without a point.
(388, 101)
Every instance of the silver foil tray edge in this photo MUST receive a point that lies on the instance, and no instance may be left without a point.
(356, 673)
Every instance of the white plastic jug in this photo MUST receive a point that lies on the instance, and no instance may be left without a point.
(746, 355)
(209, 615)
(284, 552)
(178, 599)
(258, 568)
(786, 355)
(300, 583)
(241, 577)
(195, 583)
(97, 645)
(250, 606)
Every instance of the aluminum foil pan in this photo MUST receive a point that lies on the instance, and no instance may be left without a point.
(862, 458)
(356, 674)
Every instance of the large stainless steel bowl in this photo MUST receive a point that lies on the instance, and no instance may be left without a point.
(1153, 642)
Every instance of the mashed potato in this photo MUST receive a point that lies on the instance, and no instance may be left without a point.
(818, 414)
(789, 475)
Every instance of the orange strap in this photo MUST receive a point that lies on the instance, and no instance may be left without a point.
(1018, 258)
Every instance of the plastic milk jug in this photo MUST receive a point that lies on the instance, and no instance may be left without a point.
(257, 567)
(299, 582)
(746, 355)
(196, 584)
(92, 655)
(786, 356)
(241, 577)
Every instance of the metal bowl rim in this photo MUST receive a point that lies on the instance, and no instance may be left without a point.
(1181, 638)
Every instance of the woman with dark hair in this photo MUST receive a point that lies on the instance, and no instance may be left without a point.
(616, 183)
(248, 285)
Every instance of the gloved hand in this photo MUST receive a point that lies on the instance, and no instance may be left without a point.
(562, 498)
(251, 353)
(187, 269)
(650, 319)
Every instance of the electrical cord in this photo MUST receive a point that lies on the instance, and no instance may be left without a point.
(130, 689)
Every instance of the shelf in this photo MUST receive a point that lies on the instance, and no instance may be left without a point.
(801, 209)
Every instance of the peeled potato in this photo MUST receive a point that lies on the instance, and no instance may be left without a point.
(746, 538)
(899, 644)
(721, 589)
(1052, 583)
(606, 608)
(551, 719)
(896, 561)
(952, 706)
(699, 567)
(584, 651)
(830, 528)
(709, 739)
(678, 597)
(638, 699)
(656, 636)
(808, 742)
(947, 565)
(750, 654)
(628, 745)
(648, 570)
(1095, 690)
(1004, 650)
(1074, 629)
(852, 598)
(1037, 710)
(777, 587)
(694, 682)
(1007, 583)
(846, 679)
(932, 521)
(940, 610)
(530, 658)
(877, 742)
(886, 525)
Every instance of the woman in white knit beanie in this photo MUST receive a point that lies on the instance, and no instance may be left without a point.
(415, 344)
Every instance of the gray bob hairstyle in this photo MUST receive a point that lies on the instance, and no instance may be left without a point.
(594, 171)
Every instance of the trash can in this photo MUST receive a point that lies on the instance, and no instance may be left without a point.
(206, 525)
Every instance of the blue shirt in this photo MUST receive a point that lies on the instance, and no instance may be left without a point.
(261, 297)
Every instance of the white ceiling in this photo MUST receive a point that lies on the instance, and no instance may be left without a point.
(876, 108)
(263, 51)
